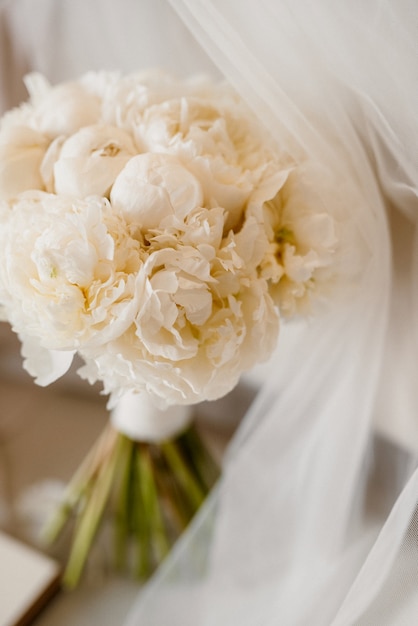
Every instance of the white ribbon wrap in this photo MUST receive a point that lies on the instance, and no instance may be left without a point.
(136, 416)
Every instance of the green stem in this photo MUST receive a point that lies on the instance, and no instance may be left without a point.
(124, 501)
(141, 521)
(79, 485)
(152, 491)
(152, 505)
(203, 462)
(184, 476)
(91, 517)
(177, 509)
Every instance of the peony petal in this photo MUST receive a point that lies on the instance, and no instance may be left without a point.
(46, 366)
(21, 152)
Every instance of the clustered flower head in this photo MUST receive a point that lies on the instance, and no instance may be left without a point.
(149, 226)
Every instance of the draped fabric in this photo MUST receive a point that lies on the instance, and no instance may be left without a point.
(314, 521)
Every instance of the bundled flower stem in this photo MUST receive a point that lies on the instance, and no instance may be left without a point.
(150, 491)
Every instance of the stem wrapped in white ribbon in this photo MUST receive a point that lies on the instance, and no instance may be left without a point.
(137, 417)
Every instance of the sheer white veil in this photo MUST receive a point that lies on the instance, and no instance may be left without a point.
(314, 521)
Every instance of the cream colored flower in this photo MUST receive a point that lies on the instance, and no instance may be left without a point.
(90, 160)
(67, 270)
(218, 142)
(62, 109)
(21, 152)
(238, 334)
(205, 317)
(153, 187)
(125, 98)
(302, 228)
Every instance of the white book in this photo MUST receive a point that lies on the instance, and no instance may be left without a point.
(27, 580)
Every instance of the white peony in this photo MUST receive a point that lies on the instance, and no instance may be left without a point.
(205, 317)
(90, 160)
(22, 150)
(152, 187)
(302, 227)
(67, 270)
(219, 143)
(233, 339)
(62, 109)
(125, 98)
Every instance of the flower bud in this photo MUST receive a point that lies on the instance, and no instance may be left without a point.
(91, 159)
(153, 186)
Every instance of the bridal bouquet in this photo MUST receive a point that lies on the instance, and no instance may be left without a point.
(151, 227)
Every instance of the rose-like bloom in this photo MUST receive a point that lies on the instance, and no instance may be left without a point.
(67, 270)
(303, 235)
(234, 339)
(21, 152)
(153, 187)
(125, 98)
(219, 143)
(60, 110)
(32, 134)
(203, 320)
(90, 160)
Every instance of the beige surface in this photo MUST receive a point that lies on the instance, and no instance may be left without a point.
(44, 433)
